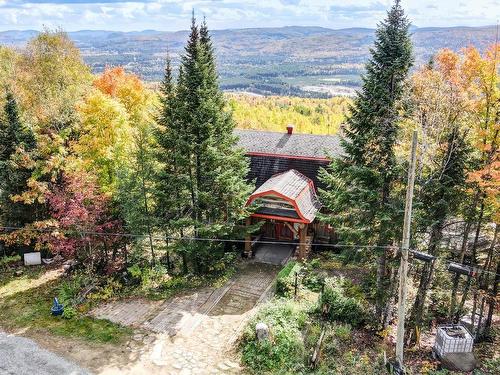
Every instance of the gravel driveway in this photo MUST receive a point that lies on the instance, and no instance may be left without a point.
(22, 356)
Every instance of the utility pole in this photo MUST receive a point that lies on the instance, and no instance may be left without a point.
(403, 268)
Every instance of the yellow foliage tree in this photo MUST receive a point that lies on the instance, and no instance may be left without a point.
(52, 79)
(104, 140)
(309, 116)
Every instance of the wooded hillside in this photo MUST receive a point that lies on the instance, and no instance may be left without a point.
(274, 113)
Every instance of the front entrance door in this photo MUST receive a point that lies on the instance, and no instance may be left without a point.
(283, 232)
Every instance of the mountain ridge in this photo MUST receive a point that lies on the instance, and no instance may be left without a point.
(292, 60)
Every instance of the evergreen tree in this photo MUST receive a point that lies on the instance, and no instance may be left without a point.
(136, 186)
(363, 188)
(202, 187)
(12, 132)
(16, 144)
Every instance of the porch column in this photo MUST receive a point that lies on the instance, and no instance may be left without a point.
(302, 240)
(248, 239)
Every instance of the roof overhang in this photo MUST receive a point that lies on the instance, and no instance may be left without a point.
(295, 189)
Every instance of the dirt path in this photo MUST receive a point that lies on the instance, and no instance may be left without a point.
(206, 326)
(24, 283)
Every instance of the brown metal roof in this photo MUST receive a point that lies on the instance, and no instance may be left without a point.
(291, 145)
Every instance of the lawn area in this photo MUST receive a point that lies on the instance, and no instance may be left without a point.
(27, 293)
(25, 304)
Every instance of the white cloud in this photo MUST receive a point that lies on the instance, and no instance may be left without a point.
(154, 14)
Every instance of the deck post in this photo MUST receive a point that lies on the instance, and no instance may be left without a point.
(248, 239)
(302, 241)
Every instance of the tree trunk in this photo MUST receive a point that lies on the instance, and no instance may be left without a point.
(483, 281)
(148, 220)
(426, 275)
(463, 249)
(474, 262)
(456, 318)
(478, 231)
(382, 284)
(381, 271)
(493, 297)
(391, 295)
(485, 276)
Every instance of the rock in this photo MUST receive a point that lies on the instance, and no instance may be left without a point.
(69, 265)
(138, 337)
(18, 273)
(223, 367)
(459, 362)
(232, 364)
(148, 340)
(262, 331)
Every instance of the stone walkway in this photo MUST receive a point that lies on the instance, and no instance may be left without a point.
(194, 333)
(271, 253)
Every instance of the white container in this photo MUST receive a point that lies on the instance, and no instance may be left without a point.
(447, 342)
(32, 259)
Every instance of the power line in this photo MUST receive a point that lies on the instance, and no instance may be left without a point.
(227, 240)
(190, 238)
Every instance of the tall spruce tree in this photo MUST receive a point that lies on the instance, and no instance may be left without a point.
(202, 187)
(136, 186)
(362, 186)
(16, 142)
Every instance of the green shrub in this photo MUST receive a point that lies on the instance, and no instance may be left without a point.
(284, 352)
(6, 261)
(108, 290)
(69, 312)
(315, 263)
(69, 290)
(69, 294)
(491, 366)
(342, 331)
(135, 271)
(439, 302)
(341, 308)
(313, 281)
(352, 362)
(223, 265)
(285, 281)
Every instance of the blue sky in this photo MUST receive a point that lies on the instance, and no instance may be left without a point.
(174, 15)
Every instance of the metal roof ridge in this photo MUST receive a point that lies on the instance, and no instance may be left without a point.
(283, 133)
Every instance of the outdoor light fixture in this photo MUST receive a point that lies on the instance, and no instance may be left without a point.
(461, 269)
(424, 257)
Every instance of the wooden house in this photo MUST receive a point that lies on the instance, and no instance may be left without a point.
(285, 168)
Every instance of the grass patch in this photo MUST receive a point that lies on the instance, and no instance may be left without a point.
(31, 309)
(11, 284)
(285, 280)
(285, 271)
(158, 283)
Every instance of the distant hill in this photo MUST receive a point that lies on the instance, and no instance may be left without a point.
(301, 61)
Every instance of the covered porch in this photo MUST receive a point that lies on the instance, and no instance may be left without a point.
(286, 206)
